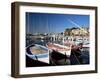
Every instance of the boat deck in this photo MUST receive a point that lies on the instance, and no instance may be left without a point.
(57, 48)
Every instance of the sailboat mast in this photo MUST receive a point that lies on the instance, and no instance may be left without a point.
(28, 25)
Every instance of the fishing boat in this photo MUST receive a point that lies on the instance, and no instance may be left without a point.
(65, 50)
(86, 45)
(38, 52)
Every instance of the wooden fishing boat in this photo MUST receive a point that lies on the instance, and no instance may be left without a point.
(38, 52)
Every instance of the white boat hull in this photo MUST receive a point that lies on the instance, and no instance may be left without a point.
(44, 57)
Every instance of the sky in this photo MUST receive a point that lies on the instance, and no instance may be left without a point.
(54, 23)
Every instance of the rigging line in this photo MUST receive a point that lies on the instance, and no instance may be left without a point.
(71, 21)
(28, 29)
(28, 24)
(76, 58)
(51, 59)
